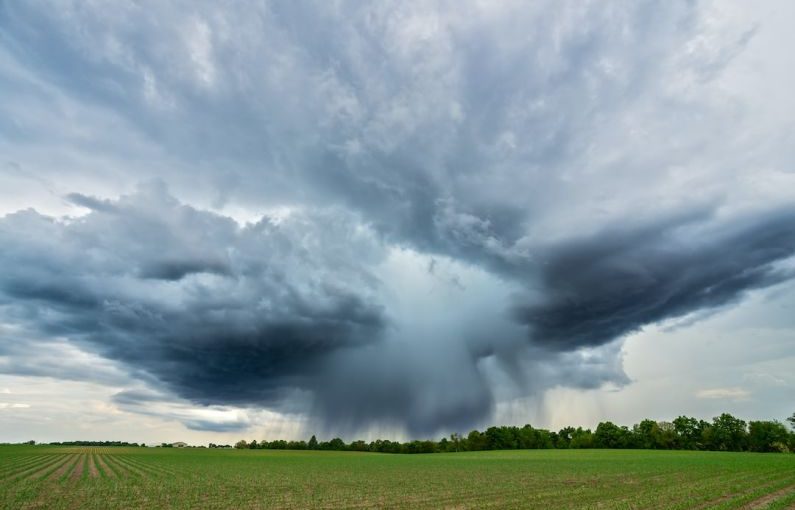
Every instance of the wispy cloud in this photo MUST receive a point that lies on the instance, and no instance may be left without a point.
(724, 393)
(13, 405)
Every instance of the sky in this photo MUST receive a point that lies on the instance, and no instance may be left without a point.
(397, 219)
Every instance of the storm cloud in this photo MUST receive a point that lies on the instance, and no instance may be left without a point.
(250, 314)
(218, 312)
(610, 284)
(397, 215)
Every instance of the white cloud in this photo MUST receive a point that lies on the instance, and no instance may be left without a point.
(13, 405)
(724, 393)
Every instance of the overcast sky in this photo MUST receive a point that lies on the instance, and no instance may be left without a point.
(397, 219)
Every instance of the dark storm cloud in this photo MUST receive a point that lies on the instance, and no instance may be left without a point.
(292, 305)
(131, 282)
(517, 141)
(597, 289)
(429, 387)
(421, 390)
(295, 308)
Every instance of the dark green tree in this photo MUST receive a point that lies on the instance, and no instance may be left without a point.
(689, 432)
(336, 444)
(768, 436)
(312, 443)
(501, 438)
(476, 441)
(528, 437)
(565, 436)
(644, 434)
(610, 435)
(545, 438)
(665, 436)
(728, 433)
(582, 438)
(359, 446)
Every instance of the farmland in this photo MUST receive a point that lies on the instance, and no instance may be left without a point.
(110, 478)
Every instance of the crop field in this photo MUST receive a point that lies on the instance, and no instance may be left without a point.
(116, 478)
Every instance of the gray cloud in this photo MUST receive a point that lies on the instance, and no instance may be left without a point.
(612, 283)
(169, 407)
(240, 335)
(27, 353)
(212, 426)
(299, 305)
(297, 308)
(597, 165)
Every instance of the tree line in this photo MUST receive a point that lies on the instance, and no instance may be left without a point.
(91, 443)
(723, 433)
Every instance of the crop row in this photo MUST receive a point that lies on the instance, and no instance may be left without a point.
(75, 466)
(126, 478)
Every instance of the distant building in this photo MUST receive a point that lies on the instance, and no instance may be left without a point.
(179, 444)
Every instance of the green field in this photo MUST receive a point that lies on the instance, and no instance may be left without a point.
(110, 478)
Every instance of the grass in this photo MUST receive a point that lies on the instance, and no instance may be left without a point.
(116, 478)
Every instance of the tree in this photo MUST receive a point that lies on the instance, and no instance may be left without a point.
(501, 438)
(455, 439)
(767, 436)
(565, 436)
(582, 438)
(610, 435)
(665, 436)
(545, 438)
(689, 432)
(725, 432)
(336, 444)
(528, 437)
(476, 441)
(645, 433)
(728, 433)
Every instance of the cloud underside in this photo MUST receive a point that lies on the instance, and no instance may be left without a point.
(561, 175)
(248, 315)
(611, 284)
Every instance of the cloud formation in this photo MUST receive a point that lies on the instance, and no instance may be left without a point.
(169, 407)
(218, 312)
(221, 314)
(610, 284)
(723, 393)
(397, 214)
